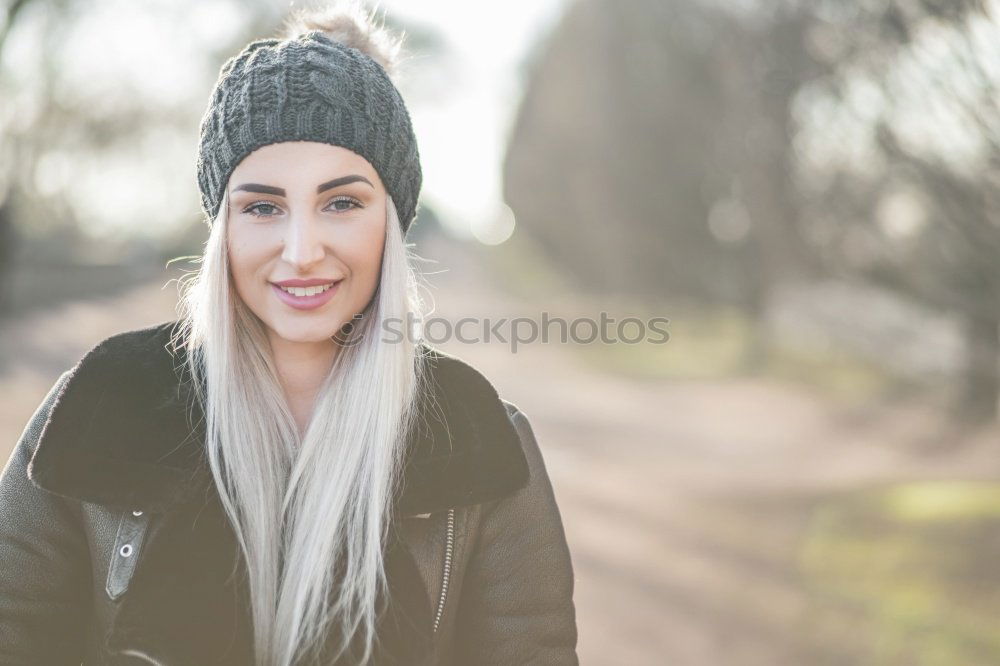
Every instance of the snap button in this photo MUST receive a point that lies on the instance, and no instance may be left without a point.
(137, 513)
(126, 550)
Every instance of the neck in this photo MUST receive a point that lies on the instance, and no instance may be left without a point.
(302, 367)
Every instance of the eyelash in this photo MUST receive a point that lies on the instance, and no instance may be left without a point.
(264, 202)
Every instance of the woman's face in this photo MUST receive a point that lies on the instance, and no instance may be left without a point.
(303, 210)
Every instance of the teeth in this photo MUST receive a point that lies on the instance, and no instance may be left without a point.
(307, 291)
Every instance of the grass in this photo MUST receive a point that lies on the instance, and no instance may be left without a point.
(717, 344)
(906, 574)
(700, 346)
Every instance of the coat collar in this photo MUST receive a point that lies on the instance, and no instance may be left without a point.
(124, 432)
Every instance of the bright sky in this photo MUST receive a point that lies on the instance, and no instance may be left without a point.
(462, 134)
(461, 108)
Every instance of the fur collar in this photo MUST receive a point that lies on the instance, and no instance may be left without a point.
(123, 432)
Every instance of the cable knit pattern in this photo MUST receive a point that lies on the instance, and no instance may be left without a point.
(308, 88)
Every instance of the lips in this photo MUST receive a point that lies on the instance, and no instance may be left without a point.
(306, 302)
(305, 282)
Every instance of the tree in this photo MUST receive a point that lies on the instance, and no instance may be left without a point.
(920, 214)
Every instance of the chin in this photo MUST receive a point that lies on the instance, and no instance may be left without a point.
(320, 329)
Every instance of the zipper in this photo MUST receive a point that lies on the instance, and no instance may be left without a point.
(146, 659)
(448, 550)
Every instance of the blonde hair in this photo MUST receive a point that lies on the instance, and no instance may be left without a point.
(311, 514)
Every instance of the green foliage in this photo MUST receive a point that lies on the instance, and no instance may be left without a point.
(906, 574)
(833, 370)
(702, 345)
(716, 343)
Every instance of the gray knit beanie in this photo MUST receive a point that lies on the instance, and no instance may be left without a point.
(308, 88)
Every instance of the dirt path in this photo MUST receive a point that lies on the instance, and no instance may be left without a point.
(683, 502)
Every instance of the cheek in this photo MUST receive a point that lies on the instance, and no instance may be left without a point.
(365, 255)
(246, 252)
(237, 260)
(245, 261)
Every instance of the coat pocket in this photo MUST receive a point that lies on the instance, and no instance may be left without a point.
(127, 548)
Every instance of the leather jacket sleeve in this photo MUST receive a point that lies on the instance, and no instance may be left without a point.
(44, 562)
(516, 604)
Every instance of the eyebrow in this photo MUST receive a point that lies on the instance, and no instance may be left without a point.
(280, 191)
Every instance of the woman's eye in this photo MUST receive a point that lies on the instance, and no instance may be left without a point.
(257, 206)
(267, 209)
(350, 202)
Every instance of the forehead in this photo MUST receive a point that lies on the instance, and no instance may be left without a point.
(303, 160)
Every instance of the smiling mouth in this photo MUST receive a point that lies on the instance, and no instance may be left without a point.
(307, 291)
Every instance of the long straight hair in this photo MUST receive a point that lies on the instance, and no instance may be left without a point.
(311, 513)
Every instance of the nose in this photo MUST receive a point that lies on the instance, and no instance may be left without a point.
(303, 244)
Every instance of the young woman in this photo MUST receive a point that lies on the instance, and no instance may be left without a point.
(285, 474)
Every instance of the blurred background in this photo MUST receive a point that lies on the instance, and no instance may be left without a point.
(807, 471)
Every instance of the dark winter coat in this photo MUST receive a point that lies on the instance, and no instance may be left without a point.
(115, 548)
